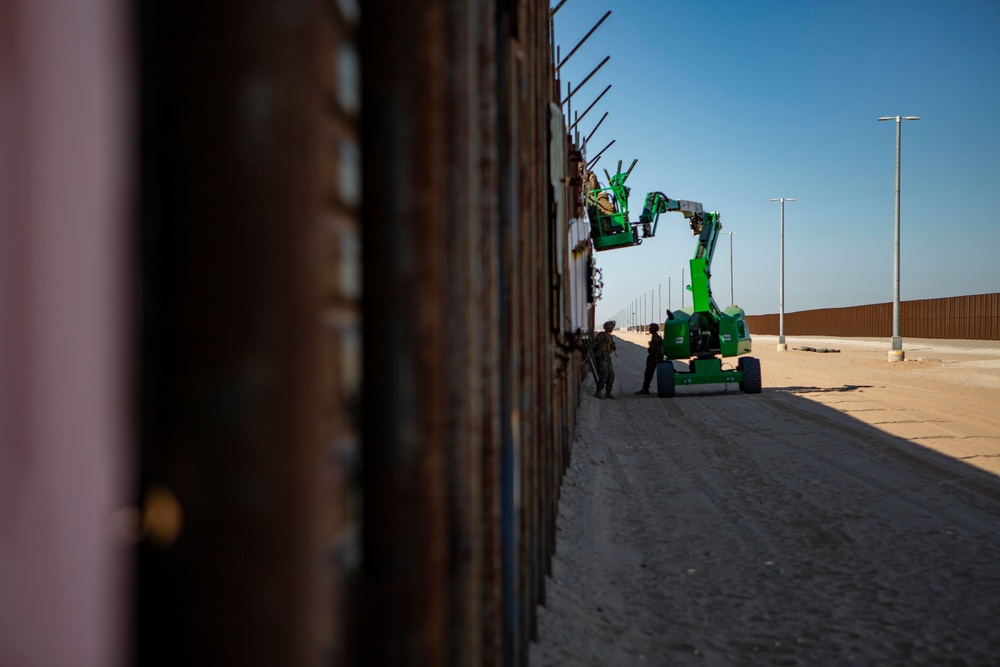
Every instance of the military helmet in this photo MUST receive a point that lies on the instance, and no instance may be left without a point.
(654, 327)
(609, 324)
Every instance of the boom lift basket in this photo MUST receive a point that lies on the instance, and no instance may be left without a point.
(607, 209)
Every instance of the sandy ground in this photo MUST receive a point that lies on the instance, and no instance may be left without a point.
(848, 514)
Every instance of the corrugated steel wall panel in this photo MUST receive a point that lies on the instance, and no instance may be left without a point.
(974, 317)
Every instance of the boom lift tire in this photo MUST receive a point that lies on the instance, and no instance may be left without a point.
(751, 375)
(665, 387)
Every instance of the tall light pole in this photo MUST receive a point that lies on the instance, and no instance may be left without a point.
(896, 353)
(730, 266)
(781, 280)
(682, 288)
(669, 300)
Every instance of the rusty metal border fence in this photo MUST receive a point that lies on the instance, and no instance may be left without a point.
(358, 348)
(471, 377)
(973, 317)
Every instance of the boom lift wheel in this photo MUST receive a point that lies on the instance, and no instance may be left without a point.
(751, 375)
(665, 387)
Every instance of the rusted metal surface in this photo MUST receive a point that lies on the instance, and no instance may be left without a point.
(248, 334)
(332, 630)
(407, 320)
(361, 289)
(466, 437)
(974, 317)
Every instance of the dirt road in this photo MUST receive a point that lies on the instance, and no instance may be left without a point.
(849, 514)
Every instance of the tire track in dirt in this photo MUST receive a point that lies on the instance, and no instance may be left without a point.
(721, 529)
(946, 470)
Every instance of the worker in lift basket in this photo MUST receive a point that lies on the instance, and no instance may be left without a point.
(654, 355)
(602, 346)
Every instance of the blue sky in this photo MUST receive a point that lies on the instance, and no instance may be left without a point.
(734, 103)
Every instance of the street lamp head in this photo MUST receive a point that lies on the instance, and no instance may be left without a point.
(899, 118)
(911, 117)
(887, 118)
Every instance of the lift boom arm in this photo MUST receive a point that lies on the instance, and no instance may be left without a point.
(708, 230)
(657, 203)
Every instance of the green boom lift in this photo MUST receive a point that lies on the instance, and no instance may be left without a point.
(702, 335)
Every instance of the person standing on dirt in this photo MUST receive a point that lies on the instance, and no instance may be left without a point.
(654, 355)
(602, 347)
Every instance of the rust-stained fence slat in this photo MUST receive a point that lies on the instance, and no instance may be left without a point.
(974, 317)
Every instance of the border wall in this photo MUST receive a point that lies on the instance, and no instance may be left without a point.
(292, 299)
(975, 317)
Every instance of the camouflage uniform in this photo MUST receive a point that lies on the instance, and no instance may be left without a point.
(604, 345)
(600, 205)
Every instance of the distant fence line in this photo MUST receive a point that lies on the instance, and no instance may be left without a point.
(975, 317)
